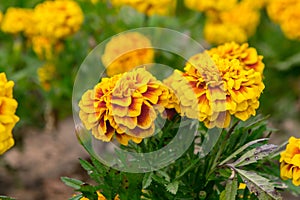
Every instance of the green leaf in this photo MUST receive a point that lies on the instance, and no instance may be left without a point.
(6, 198)
(230, 191)
(77, 197)
(74, 183)
(164, 174)
(255, 154)
(260, 186)
(172, 187)
(242, 149)
(86, 165)
(147, 180)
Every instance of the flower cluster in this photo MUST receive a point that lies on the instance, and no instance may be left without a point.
(8, 119)
(235, 24)
(46, 73)
(124, 106)
(218, 83)
(101, 197)
(149, 7)
(290, 161)
(126, 51)
(45, 25)
(207, 5)
(286, 14)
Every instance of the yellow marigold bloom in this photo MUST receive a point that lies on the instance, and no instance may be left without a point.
(213, 89)
(205, 5)
(58, 19)
(124, 105)
(236, 24)
(101, 197)
(17, 20)
(46, 48)
(219, 33)
(8, 119)
(286, 14)
(1, 17)
(149, 7)
(290, 161)
(248, 56)
(46, 74)
(127, 51)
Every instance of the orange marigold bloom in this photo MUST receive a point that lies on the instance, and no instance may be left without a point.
(248, 56)
(46, 74)
(127, 51)
(58, 18)
(17, 20)
(290, 161)
(206, 5)
(149, 7)
(124, 105)
(213, 88)
(8, 119)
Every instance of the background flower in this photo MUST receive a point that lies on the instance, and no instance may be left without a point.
(290, 161)
(8, 119)
(127, 51)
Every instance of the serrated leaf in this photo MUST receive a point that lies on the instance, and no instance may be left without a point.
(77, 197)
(86, 165)
(6, 198)
(260, 186)
(172, 187)
(74, 183)
(147, 180)
(255, 154)
(242, 149)
(230, 191)
(164, 174)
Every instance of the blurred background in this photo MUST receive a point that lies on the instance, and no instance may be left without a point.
(41, 53)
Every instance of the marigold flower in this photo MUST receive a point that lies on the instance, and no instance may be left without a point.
(213, 89)
(248, 56)
(124, 105)
(149, 7)
(1, 17)
(290, 161)
(127, 51)
(219, 33)
(17, 20)
(8, 119)
(58, 19)
(44, 47)
(46, 74)
(286, 14)
(206, 5)
(101, 197)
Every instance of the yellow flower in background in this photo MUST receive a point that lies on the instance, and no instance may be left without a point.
(236, 24)
(17, 20)
(290, 161)
(57, 19)
(149, 7)
(219, 33)
(8, 119)
(100, 197)
(286, 14)
(123, 106)
(213, 88)
(248, 56)
(206, 5)
(1, 17)
(46, 74)
(44, 47)
(127, 51)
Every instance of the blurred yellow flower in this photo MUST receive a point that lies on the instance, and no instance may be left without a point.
(124, 105)
(236, 24)
(17, 20)
(248, 56)
(206, 5)
(46, 74)
(57, 19)
(1, 17)
(149, 7)
(286, 14)
(44, 47)
(127, 51)
(219, 33)
(8, 119)
(100, 197)
(213, 88)
(290, 161)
